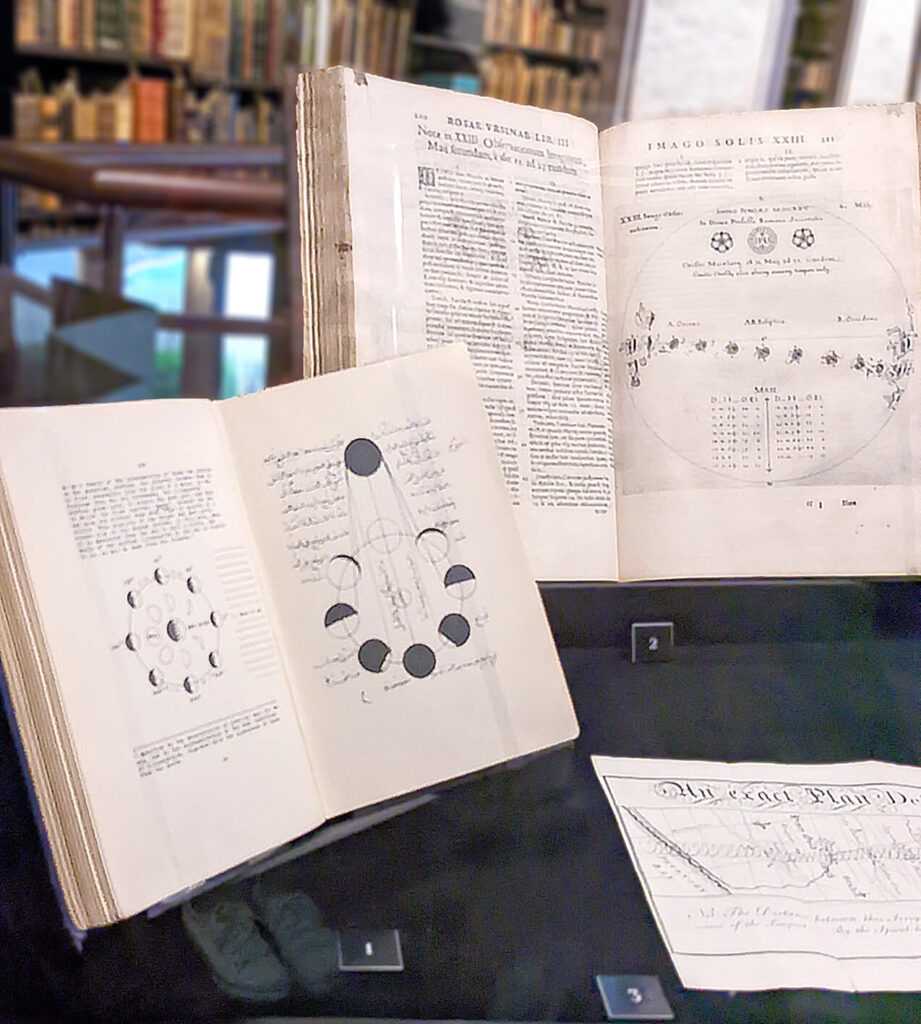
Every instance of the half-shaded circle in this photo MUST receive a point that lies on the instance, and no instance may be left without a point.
(458, 574)
(337, 612)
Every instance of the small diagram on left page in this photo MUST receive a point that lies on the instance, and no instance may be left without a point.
(174, 630)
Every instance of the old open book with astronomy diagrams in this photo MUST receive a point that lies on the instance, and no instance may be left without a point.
(224, 623)
(696, 337)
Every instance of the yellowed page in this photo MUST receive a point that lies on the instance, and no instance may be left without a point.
(412, 627)
(763, 295)
(479, 221)
(154, 612)
(769, 876)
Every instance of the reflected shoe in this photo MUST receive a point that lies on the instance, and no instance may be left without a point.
(306, 945)
(244, 965)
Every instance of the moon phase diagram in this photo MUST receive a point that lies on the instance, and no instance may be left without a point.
(768, 343)
(174, 631)
(400, 596)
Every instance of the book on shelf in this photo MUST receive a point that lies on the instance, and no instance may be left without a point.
(541, 25)
(212, 38)
(511, 76)
(150, 109)
(141, 109)
(225, 623)
(695, 337)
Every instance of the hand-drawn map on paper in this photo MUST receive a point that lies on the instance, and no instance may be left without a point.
(766, 876)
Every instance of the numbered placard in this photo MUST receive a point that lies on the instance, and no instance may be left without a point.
(370, 949)
(652, 641)
(633, 997)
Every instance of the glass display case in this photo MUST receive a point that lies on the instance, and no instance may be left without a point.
(511, 891)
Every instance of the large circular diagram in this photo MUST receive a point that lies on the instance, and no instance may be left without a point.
(766, 342)
(400, 594)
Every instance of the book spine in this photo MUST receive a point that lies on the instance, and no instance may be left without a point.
(213, 32)
(237, 35)
(88, 25)
(26, 25)
(246, 51)
(47, 22)
(109, 25)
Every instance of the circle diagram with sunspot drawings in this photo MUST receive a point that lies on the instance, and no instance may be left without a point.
(397, 605)
(803, 238)
(721, 241)
(174, 631)
(762, 240)
(789, 365)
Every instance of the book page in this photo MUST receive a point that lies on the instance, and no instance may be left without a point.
(155, 617)
(764, 876)
(763, 291)
(411, 623)
(479, 221)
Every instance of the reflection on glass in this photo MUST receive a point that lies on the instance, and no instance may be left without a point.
(40, 265)
(156, 275)
(168, 348)
(247, 293)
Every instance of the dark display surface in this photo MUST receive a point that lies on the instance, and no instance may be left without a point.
(512, 891)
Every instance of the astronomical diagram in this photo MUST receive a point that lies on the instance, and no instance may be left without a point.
(400, 608)
(174, 631)
(787, 331)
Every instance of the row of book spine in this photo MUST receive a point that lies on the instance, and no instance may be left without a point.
(509, 76)
(144, 110)
(539, 25)
(157, 28)
(368, 35)
(240, 40)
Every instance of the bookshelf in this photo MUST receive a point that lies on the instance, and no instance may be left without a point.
(543, 52)
(817, 57)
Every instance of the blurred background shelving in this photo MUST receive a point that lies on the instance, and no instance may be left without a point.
(203, 87)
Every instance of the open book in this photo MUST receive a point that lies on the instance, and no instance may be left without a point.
(695, 337)
(224, 623)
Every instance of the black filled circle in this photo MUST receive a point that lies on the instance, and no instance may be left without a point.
(455, 628)
(419, 660)
(362, 456)
(373, 655)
